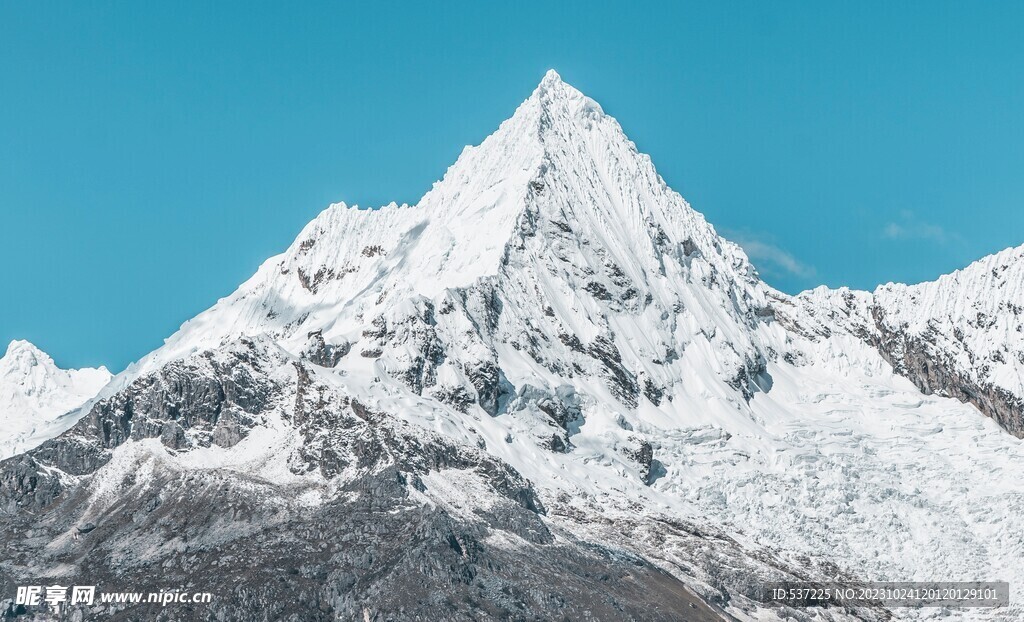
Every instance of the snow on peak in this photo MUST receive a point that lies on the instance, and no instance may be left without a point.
(551, 77)
(558, 159)
(25, 363)
(974, 316)
(20, 344)
(552, 91)
(19, 348)
(35, 393)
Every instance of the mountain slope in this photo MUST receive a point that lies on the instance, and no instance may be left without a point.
(502, 214)
(960, 336)
(549, 387)
(35, 393)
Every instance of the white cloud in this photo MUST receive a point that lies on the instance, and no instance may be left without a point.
(910, 227)
(770, 258)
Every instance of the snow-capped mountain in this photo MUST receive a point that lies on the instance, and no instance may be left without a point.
(556, 209)
(548, 387)
(35, 394)
(960, 336)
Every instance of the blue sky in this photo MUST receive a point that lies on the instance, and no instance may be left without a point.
(153, 154)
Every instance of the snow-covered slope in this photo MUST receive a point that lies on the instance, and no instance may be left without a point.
(35, 394)
(551, 348)
(960, 336)
(557, 205)
(968, 327)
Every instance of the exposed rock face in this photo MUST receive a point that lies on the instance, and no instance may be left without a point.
(322, 353)
(411, 523)
(920, 359)
(642, 452)
(213, 398)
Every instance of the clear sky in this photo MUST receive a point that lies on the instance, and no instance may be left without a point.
(153, 154)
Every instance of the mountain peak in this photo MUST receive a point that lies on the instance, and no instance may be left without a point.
(18, 345)
(553, 85)
(553, 92)
(558, 190)
(24, 362)
(34, 393)
(21, 353)
(551, 77)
